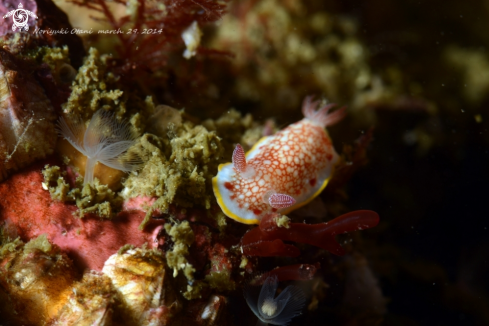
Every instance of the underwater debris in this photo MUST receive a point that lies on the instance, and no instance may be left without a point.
(105, 140)
(271, 177)
(276, 311)
(268, 234)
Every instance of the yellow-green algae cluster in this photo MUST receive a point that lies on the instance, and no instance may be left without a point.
(177, 169)
(220, 280)
(94, 88)
(94, 198)
(182, 236)
(97, 87)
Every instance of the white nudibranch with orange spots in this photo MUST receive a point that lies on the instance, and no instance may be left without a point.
(281, 172)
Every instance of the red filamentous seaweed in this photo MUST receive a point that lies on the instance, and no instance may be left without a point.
(262, 240)
(153, 30)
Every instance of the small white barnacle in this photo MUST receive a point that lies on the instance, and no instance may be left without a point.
(191, 36)
(279, 310)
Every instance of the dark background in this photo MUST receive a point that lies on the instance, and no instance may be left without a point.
(433, 257)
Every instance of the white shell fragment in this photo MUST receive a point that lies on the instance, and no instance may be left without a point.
(138, 276)
(191, 36)
(212, 310)
(90, 303)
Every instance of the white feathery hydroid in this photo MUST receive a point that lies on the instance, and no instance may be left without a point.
(279, 310)
(105, 140)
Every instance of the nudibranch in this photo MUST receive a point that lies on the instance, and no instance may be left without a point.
(281, 172)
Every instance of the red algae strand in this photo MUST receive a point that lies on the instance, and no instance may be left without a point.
(273, 248)
(320, 235)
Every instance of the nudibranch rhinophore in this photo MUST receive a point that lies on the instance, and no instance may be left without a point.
(281, 172)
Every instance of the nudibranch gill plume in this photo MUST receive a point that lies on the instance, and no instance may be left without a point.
(281, 172)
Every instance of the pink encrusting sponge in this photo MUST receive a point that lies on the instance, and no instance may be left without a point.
(281, 172)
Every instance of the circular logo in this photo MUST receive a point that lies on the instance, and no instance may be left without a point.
(20, 18)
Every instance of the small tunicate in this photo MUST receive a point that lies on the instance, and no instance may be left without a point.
(275, 311)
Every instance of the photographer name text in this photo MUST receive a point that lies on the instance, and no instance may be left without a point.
(100, 31)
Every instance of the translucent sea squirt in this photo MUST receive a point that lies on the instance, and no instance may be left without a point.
(275, 311)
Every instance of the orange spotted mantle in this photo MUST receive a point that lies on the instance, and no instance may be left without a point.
(298, 161)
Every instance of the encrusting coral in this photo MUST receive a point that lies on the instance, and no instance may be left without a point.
(88, 241)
